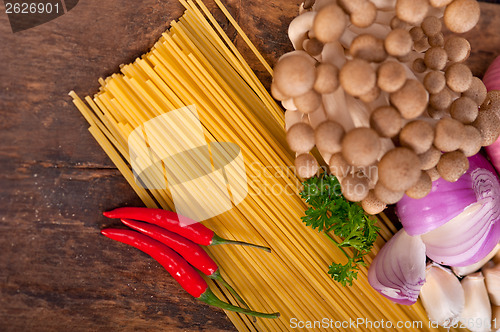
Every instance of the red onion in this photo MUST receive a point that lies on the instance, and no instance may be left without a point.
(492, 76)
(398, 270)
(457, 221)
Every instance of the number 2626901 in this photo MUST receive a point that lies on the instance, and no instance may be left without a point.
(32, 8)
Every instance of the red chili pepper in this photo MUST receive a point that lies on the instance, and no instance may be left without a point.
(190, 251)
(178, 268)
(188, 228)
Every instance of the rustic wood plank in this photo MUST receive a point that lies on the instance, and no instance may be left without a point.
(57, 271)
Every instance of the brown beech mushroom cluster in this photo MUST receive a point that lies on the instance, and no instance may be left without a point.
(384, 96)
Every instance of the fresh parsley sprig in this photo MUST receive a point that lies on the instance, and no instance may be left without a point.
(330, 212)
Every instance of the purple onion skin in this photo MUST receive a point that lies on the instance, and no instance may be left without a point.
(446, 201)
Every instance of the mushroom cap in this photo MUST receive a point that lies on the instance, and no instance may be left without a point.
(472, 142)
(308, 102)
(306, 166)
(351, 6)
(436, 113)
(357, 77)
(398, 43)
(386, 121)
(368, 47)
(458, 77)
(449, 134)
(437, 40)
(371, 96)
(330, 23)
(289, 105)
(464, 110)
(417, 135)
(295, 74)
(328, 137)
(457, 48)
(339, 166)
(307, 4)
(397, 23)
(488, 124)
(433, 173)
(327, 78)
(355, 187)
(399, 169)
(441, 100)
(431, 25)
(477, 91)
(361, 146)
(365, 16)
(277, 94)
(419, 65)
(439, 3)
(452, 165)
(429, 158)
(492, 102)
(383, 194)
(300, 137)
(435, 58)
(434, 81)
(462, 15)
(313, 46)
(421, 45)
(371, 204)
(417, 33)
(391, 76)
(411, 100)
(412, 11)
(421, 188)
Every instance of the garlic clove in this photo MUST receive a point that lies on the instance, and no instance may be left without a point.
(491, 274)
(442, 296)
(476, 315)
(465, 270)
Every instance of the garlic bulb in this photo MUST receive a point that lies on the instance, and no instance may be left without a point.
(442, 296)
(476, 315)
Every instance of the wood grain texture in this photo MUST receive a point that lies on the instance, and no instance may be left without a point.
(56, 271)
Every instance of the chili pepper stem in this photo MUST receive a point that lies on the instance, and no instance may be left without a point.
(209, 298)
(219, 240)
(218, 277)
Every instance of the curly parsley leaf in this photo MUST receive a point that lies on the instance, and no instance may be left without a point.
(329, 212)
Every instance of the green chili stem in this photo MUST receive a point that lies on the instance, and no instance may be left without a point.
(218, 240)
(218, 277)
(209, 298)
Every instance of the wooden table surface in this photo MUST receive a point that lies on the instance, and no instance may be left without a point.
(56, 271)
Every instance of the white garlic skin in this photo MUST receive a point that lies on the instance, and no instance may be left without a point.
(442, 296)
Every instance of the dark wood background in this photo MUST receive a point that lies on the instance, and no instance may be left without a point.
(56, 271)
